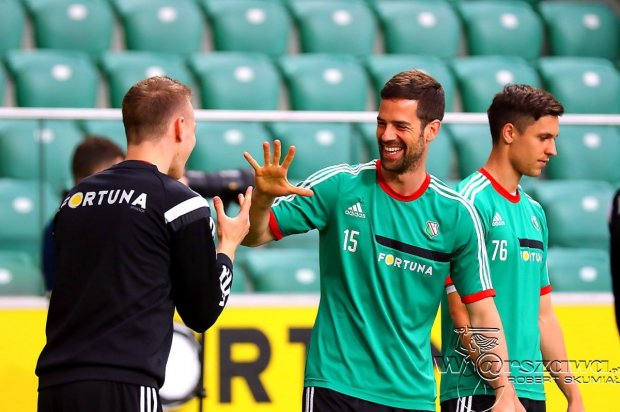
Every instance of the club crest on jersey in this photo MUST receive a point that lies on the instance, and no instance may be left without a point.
(109, 197)
(535, 222)
(431, 229)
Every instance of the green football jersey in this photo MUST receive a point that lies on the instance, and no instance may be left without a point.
(384, 259)
(515, 231)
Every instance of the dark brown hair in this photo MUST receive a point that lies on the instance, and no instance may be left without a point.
(417, 85)
(91, 154)
(149, 104)
(521, 105)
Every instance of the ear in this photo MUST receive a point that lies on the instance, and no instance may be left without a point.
(178, 128)
(508, 133)
(431, 130)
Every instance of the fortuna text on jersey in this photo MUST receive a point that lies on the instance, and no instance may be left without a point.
(110, 197)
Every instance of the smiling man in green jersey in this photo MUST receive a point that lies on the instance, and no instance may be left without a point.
(390, 234)
(524, 125)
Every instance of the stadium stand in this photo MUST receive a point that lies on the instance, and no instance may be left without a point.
(472, 144)
(323, 145)
(19, 276)
(582, 84)
(250, 26)
(576, 212)
(334, 26)
(588, 29)
(165, 26)
(579, 270)
(479, 78)
(236, 80)
(325, 82)
(381, 67)
(282, 270)
(586, 152)
(123, 69)
(220, 145)
(41, 78)
(419, 27)
(70, 25)
(12, 25)
(111, 129)
(24, 206)
(509, 28)
(33, 150)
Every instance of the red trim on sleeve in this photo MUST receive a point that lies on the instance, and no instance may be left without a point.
(449, 281)
(547, 289)
(500, 189)
(391, 192)
(273, 225)
(478, 296)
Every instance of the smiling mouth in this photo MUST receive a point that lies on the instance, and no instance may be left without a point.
(392, 149)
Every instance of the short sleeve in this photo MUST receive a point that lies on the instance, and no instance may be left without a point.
(469, 266)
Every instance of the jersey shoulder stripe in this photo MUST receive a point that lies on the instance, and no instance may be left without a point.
(327, 173)
(184, 208)
(484, 272)
(474, 185)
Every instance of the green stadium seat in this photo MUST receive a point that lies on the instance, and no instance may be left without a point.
(509, 28)
(123, 69)
(71, 25)
(582, 84)
(25, 145)
(236, 81)
(164, 26)
(441, 159)
(250, 26)
(220, 145)
(579, 270)
(588, 29)
(12, 24)
(318, 145)
(576, 212)
(382, 67)
(43, 78)
(419, 27)
(586, 152)
(110, 129)
(334, 26)
(3, 81)
(19, 276)
(25, 207)
(472, 144)
(282, 270)
(479, 78)
(325, 82)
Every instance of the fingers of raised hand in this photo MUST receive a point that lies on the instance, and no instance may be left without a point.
(219, 206)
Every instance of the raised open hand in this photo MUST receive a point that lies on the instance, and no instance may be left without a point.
(270, 179)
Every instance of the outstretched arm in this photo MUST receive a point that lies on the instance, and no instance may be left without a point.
(271, 182)
(553, 349)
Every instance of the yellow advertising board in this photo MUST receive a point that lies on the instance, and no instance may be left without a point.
(255, 354)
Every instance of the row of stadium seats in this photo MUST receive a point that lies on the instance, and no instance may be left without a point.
(251, 81)
(335, 26)
(32, 150)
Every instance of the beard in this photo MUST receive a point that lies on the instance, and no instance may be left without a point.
(409, 161)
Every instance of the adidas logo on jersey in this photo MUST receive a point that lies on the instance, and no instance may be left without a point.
(356, 211)
(497, 220)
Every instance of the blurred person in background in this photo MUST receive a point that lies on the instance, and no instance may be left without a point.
(614, 253)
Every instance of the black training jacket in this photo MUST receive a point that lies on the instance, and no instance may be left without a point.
(132, 244)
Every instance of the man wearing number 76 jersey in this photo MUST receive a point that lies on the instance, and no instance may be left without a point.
(390, 234)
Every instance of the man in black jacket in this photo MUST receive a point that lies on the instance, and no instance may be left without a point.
(132, 245)
(614, 253)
